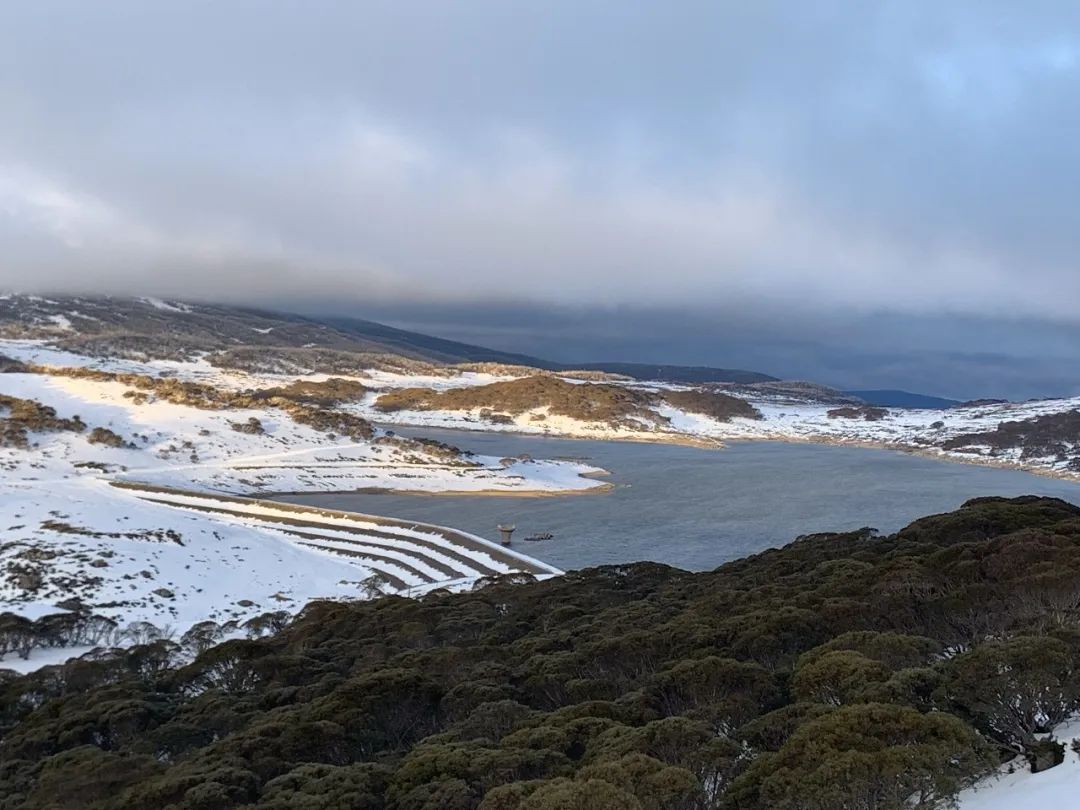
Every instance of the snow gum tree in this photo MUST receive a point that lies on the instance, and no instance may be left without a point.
(1017, 688)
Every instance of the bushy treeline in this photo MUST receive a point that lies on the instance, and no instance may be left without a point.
(20, 636)
(842, 671)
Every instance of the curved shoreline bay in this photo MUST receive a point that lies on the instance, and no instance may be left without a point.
(695, 508)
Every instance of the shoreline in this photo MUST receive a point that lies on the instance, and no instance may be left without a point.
(683, 439)
(601, 489)
(924, 452)
(710, 443)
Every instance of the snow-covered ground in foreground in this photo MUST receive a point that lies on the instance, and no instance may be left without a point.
(1017, 788)
(163, 566)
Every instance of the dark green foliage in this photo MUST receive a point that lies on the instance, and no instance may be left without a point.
(837, 677)
(1016, 689)
(1046, 754)
(20, 635)
(868, 413)
(844, 670)
(327, 787)
(867, 757)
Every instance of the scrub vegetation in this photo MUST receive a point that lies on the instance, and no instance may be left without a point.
(844, 670)
(307, 402)
(1053, 435)
(19, 418)
(615, 405)
(867, 413)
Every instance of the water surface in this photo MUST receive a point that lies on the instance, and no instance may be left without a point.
(696, 508)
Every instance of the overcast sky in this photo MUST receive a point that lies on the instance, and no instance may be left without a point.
(824, 163)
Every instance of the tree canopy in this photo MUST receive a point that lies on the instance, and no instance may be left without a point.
(841, 671)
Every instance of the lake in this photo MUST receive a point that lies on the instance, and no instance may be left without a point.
(698, 508)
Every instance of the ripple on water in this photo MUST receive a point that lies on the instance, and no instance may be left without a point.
(695, 508)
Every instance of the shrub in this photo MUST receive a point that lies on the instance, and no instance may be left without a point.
(866, 757)
(616, 405)
(100, 435)
(1016, 689)
(868, 413)
(681, 690)
(252, 426)
(718, 406)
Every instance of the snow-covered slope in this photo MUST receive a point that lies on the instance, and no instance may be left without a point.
(66, 533)
(1017, 788)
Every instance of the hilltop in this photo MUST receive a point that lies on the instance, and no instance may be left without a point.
(150, 328)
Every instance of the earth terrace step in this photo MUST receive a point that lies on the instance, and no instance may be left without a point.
(512, 559)
(413, 557)
(396, 581)
(403, 544)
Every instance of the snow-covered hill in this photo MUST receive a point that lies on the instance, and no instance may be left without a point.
(84, 404)
(70, 539)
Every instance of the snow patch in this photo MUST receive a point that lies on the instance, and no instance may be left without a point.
(157, 303)
(1017, 788)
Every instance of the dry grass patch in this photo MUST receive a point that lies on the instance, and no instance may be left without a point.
(611, 404)
(25, 416)
(615, 405)
(721, 407)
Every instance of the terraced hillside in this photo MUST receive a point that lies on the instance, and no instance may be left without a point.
(403, 554)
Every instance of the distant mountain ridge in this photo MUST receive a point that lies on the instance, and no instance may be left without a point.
(173, 328)
(466, 352)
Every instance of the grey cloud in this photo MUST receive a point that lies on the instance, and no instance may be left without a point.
(880, 155)
(802, 161)
(947, 355)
